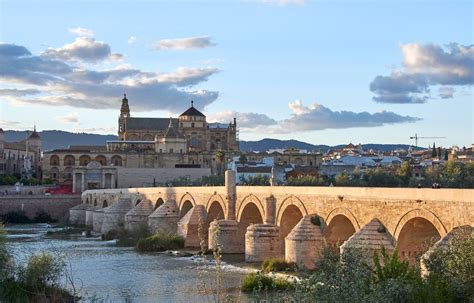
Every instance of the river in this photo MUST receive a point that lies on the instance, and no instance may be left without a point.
(116, 274)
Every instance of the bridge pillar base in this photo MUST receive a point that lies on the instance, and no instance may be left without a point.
(114, 215)
(303, 243)
(262, 241)
(165, 218)
(97, 219)
(192, 227)
(222, 233)
(138, 215)
(90, 217)
(77, 214)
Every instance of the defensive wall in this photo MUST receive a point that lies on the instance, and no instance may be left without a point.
(57, 206)
(271, 221)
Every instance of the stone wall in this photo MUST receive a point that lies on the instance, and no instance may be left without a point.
(56, 206)
(137, 177)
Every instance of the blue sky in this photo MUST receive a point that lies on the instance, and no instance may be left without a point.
(325, 72)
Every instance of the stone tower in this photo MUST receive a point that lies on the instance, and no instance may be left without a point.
(35, 145)
(124, 113)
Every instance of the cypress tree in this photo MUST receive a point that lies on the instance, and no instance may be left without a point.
(433, 152)
(446, 155)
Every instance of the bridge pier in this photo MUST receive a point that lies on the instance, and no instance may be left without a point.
(114, 215)
(77, 214)
(192, 227)
(165, 218)
(90, 216)
(262, 241)
(304, 243)
(222, 233)
(138, 215)
(97, 219)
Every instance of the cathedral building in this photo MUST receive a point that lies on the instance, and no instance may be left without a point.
(146, 150)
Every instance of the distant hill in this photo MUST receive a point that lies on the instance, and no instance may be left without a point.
(266, 144)
(53, 139)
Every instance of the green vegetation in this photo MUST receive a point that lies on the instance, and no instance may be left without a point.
(126, 237)
(307, 181)
(277, 264)
(258, 180)
(160, 241)
(38, 281)
(19, 217)
(13, 179)
(258, 282)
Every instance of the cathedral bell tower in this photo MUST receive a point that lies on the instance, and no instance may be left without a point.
(124, 113)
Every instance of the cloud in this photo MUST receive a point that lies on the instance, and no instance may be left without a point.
(83, 49)
(14, 92)
(69, 118)
(81, 32)
(311, 118)
(102, 130)
(425, 66)
(184, 76)
(8, 124)
(132, 40)
(183, 43)
(244, 120)
(57, 82)
(446, 92)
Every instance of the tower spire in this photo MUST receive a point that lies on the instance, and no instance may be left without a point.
(192, 103)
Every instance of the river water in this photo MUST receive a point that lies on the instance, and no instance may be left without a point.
(117, 274)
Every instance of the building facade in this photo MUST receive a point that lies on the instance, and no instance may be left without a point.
(187, 142)
(21, 158)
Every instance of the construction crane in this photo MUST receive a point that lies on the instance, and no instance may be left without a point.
(416, 137)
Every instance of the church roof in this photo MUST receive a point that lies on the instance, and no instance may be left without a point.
(149, 123)
(192, 111)
(171, 132)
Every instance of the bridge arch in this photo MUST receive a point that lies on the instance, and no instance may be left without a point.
(216, 198)
(186, 203)
(290, 201)
(416, 231)
(341, 224)
(159, 202)
(250, 199)
(105, 203)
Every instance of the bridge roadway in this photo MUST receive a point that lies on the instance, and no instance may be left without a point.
(407, 218)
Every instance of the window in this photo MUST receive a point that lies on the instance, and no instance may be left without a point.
(161, 150)
(181, 150)
(171, 150)
(192, 124)
(181, 124)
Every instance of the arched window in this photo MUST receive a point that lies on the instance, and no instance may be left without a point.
(53, 161)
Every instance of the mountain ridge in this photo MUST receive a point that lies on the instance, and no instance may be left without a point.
(56, 139)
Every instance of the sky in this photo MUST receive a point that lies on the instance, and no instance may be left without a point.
(323, 72)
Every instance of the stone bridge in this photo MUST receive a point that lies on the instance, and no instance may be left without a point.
(284, 221)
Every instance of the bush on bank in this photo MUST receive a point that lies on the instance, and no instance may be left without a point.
(38, 281)
(20, 217)
(128, 237)
(258, 282)
(160, 241)
(277, 264)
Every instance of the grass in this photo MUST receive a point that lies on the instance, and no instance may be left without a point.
(277, 264)
(258, 282)
(160, 241)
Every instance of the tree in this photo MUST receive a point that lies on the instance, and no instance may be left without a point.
(433, 151)
(220, 157)
(446, 155)
(404, 173)
(243, 159)
(439, 152)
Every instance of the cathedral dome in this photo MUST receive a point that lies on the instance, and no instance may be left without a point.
(192, 112)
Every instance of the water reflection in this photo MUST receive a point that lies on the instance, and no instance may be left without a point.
(121, 274)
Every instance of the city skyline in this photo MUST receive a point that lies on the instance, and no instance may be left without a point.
(304, 70)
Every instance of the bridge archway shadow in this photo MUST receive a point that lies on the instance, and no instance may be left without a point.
(288, 220)
(415, 238)
(338, 230)
(214, 212)
(104, 204)
(159, 202)
(249, 215)
(185, 208)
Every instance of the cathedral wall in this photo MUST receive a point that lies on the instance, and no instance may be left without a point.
(139, 177)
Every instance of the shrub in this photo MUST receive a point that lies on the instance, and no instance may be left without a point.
(16, 217)
(160, 241)
(43, 217)
(277, 264)
(257, 282)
